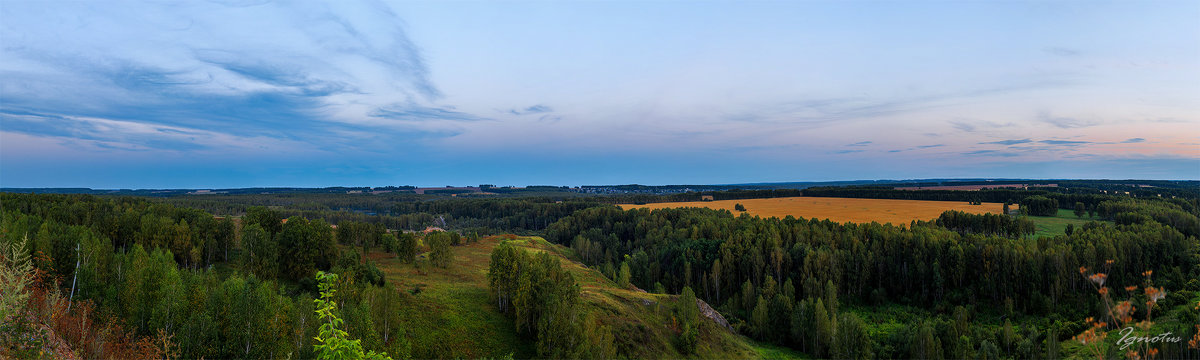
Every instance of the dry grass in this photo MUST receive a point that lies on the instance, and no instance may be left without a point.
(898, 212)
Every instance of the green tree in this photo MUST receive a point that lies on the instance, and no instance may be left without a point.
(1052, 346)
(623, 275)
(739, 207)
(262, 253)
(1080, 210)
(306, 246)
(925, 343)
(760, 318)
(852, 340)
(988, 351)
(333, 342)
(268, 219)
(600, 341)
(406, 247)
(687, 314)
(825, 330)
(16, 272)
(440, 254)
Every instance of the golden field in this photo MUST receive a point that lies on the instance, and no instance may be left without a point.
(838, 209)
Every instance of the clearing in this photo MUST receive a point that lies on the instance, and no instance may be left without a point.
(897, 212)
(1057, 224)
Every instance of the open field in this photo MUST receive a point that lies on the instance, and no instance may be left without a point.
(898, 212)
(1057, 224)
(454, 301)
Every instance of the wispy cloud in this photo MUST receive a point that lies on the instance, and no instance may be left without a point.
(992, 153)
(838, 109)
(1008, 142)
(1065, 142)
(311, 71)
(535, 109)
(917, 148)
(973, 125)
(1065, 122)
(1062, 51)
(860, 143)
(1133, 140)
(413, 112)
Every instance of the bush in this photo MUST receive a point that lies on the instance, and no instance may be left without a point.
(439, 250)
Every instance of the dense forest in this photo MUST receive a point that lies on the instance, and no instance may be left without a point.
(402, 211)
(147, 279)
(292, 276)
(782, 280)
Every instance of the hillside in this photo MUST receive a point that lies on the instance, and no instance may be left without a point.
(454, 301)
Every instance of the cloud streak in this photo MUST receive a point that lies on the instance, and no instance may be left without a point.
(1009, 142)
(310, 72)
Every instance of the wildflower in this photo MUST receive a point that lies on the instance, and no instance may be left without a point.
(1108, 262)
(1104, 291)
(1082, 269)
(1147, 273)
(1131, 288)
(1155, 294)
(1098, 278)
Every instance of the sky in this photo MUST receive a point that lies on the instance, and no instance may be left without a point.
(249, 93)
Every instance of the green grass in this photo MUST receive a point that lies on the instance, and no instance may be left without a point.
(768, 351)
(1057, 224)
(452, 317)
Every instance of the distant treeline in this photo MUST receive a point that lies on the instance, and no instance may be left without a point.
(736, 194)
(1010, 196)
(405, 211)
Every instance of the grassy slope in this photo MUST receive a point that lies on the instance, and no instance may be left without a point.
(451, 315)
(1057, 225)
(454, 302)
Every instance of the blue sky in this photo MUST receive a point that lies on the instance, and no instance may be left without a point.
(152, 94)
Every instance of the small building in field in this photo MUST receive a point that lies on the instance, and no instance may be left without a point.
(432, 229)
(706, 198)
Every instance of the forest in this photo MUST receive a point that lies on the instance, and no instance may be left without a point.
(296, 276)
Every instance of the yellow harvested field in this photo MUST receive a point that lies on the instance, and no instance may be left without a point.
(898, 212)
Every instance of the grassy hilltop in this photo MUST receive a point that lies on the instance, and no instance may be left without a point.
(454, 301)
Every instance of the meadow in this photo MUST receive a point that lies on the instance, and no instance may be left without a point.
(1057, 224)
(447, 309)
(897, 212)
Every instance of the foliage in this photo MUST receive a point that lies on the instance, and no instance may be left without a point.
(307, 246)
(986, 224)
(440, 254)
(687, 315)
(540, 296)
(1038, 205)
(16, 271)
(333, 342)
(261, 256)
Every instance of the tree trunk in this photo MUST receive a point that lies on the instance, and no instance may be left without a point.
(74, 279)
